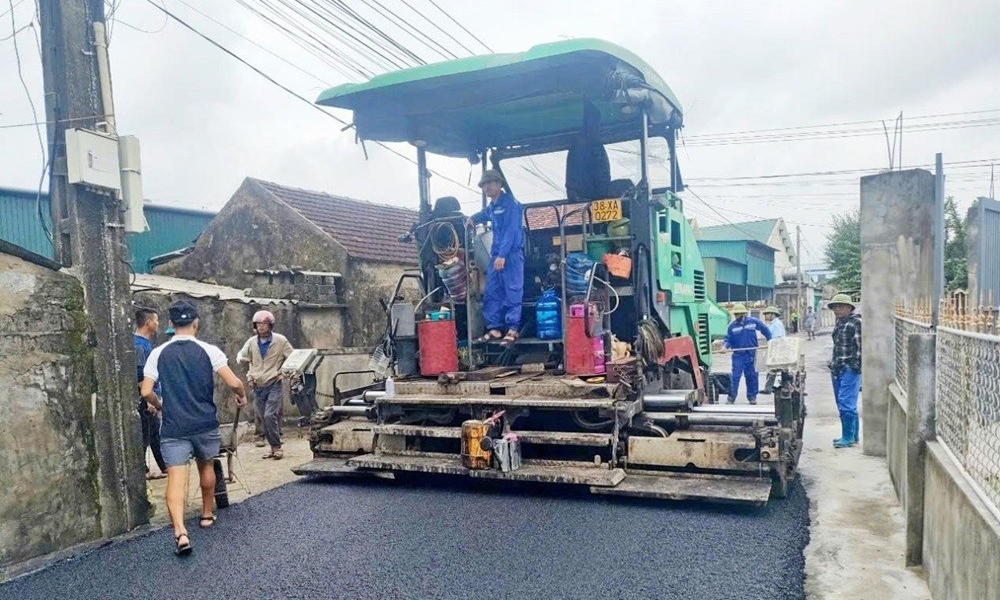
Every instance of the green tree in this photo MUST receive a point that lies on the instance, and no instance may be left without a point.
(956, 274)
(843, 250)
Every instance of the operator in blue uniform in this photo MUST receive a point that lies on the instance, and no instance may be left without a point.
(505, 277)
(742, 338)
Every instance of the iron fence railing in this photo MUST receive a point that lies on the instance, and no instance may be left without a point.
(968, 403)
(904, 327)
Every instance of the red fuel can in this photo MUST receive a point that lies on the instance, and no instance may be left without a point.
(584, 354)
(438, 343)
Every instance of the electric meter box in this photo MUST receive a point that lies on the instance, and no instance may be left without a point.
(92, 159)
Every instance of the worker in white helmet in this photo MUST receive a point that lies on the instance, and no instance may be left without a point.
(264, 353)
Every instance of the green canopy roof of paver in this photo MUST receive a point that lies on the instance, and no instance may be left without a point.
(528, 102)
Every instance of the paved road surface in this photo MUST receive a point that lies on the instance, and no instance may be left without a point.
(394, 540)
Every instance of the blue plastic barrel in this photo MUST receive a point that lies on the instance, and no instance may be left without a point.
(548, 316)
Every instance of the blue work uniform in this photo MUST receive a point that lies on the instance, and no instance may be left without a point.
(504, 289)
(743, 334)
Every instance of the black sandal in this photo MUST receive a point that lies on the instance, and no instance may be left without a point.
(185, 548)
(209, 518)
(509, 339)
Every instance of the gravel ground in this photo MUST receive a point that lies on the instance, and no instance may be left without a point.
(394, 540)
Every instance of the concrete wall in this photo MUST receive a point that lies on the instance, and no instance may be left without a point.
(896, 442)
(49, 497)
(255, 231)
(367, 282)
(897, 259)
(961, 535)
(782, 260)
(983, 237)
(226, 324)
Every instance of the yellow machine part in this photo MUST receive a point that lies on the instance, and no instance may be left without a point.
(473, 455)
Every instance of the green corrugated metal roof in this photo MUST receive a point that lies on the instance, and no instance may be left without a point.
(760, 272)
(532, 98)
(758, 231)
(734, 250)
(730, 272)
(169, 228)
(19, 220)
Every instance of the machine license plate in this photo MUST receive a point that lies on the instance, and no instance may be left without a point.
(602, 211)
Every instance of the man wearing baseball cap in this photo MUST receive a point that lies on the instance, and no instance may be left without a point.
(504, 291)
(264, 353)
(185, 369)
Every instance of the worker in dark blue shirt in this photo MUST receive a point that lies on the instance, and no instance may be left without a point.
(146, 325)
(741, 337)
(185, 370)
(504, 291)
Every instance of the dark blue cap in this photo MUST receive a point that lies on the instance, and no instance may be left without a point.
(183, 313)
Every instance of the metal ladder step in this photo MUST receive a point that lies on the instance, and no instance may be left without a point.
(557, 438)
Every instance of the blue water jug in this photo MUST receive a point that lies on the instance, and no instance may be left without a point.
(548, 316)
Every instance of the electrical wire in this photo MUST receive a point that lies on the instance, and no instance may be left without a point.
(439, 28)
(11, 9)
(245, 38)
(289, 91)
(342, 63)
(414, 57)
(34, 115)
(427, 41)
(453, 20)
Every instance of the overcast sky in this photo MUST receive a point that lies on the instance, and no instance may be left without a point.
(205, 121)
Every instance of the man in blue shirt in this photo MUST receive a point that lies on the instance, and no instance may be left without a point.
(772, 318)
(185, 369)
(504, 291)
(741, 337)
(147, 323)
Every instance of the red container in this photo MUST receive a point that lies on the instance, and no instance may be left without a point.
(584, 354)
(438, 343)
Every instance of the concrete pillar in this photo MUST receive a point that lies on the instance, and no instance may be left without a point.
(981, 236)
(921, 392)
(897, 262)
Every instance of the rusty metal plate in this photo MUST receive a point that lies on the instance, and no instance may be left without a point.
(334, 467)
(350, 436)
(449, 464)
(550, 386)
(556, 438)
(726, 489)
(705, 450)
(487, 400)
(429, 431)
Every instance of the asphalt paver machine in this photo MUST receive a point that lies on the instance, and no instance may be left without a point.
(640, 417)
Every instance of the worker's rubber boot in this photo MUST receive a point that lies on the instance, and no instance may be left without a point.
(856, 429)
(846, 439)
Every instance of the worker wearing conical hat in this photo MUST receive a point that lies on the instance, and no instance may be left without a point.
(741, 338)
(846, 368)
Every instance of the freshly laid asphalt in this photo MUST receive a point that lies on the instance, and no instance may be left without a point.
(413, 540)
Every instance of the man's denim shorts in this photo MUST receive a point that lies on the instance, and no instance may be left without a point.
(203, 446)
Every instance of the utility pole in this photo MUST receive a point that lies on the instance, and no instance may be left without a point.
(90, 240)
(798, 268)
